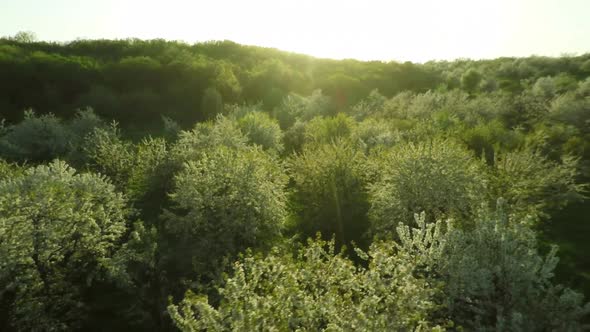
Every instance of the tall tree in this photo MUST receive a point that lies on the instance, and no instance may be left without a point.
(59, 232)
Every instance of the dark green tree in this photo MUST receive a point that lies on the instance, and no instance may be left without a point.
(329, 192)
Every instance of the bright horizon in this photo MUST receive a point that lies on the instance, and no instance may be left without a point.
(417, 31)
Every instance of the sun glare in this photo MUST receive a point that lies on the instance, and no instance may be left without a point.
(368, 30)
(417, 30)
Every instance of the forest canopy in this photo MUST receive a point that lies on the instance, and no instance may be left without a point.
(157, 185)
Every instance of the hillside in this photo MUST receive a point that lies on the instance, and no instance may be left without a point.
(126, 79)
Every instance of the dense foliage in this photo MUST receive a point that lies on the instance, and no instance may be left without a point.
(154, 185)
(224, 203)
(329, 192)
(57, 229)
(436, 177)
(434, 272)
(316, 290)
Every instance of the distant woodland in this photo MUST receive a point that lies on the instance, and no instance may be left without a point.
(157, 185)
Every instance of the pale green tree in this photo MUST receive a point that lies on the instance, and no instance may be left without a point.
(206, 136)
(494, 278)
(35, 139)
(9, 170)
(316, 290)
(295, 107)
(436, 275)
(439, 177)
(544, 87)
(25, 37)
(59, 232)
(370, 106)
(372, 134)
(322, 130)
(222, 203)
(261, 129)
(105, 152)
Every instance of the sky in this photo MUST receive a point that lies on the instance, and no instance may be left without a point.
(401, 30)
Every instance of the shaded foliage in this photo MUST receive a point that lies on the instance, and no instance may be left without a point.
(329, 192)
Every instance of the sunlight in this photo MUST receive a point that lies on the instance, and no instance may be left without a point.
(417, 30)
(404, 30)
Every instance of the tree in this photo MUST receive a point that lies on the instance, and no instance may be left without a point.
(493, 276)
(107, 153)
(42, 138)
(102, 99)
(533, 185)
(438, 176)
(571, 110)
(35, 139)
(323, 130)
(488, 85)
(171, 128)
(56, 229)
(486, 278)
(226, 82)
(370, 106)
(295, 107)
(294, 137)
(151, 176)
(211, 104)
(487, 138)
(9, 170)
(261, 130)
(82, 126)
(343, 88)
(329, 192)
(545, 87)
(222, 203)
(372, 134)
(315, 290)
(470, 80)
(25, 37)
(584, 88)
(208, 136)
